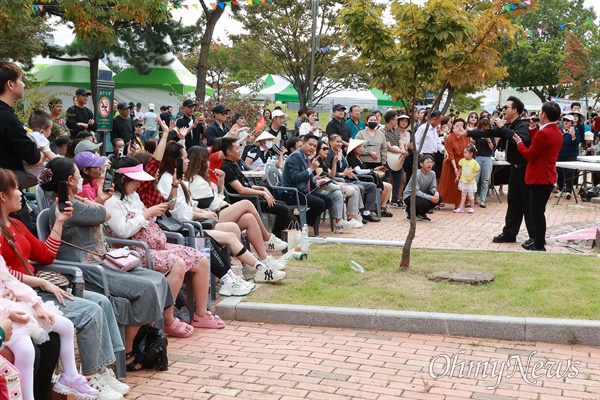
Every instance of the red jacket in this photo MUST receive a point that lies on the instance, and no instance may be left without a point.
(542, 155)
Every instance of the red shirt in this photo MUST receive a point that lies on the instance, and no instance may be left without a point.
(30, 247)
(542, 155)
(215, 163)
(596, 123)
(147, 190)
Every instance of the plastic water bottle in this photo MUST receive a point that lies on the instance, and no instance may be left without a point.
(304, 239)
(357, 267)
(78, 284)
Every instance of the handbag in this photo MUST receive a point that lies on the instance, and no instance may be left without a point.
(208, 224)
(169, 223)
(51, 276)
(150, 348)
(119, 259)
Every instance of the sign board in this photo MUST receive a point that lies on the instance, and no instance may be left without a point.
(104, 112)
(565, 104)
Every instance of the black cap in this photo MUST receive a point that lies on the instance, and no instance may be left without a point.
(82, 91)
(219, 108)
(131, 105)
(188, 103)
(138, 105)
(137, 123)
(122, 105)
(338, 107)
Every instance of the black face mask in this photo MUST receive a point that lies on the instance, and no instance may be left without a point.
(372, 125)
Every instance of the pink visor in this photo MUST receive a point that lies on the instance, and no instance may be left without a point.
(136, 173)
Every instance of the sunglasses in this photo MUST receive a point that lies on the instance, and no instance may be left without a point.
(324, 148)
(506, 107)
(567, 120)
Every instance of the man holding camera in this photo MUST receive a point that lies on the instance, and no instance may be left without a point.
(518, 194)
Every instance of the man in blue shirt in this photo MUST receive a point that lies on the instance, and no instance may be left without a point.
(354, 123)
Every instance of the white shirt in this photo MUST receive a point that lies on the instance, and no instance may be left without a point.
(182, 210)
(118, 209)
(150, 121)
(432, 143)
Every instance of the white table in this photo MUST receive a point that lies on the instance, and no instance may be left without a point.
(583, 167)
(589, 159)
(496, 165)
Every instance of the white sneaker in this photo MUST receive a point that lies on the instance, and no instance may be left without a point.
(106, 391)
(248, 271)
(113, 382)
(231, 287)
(273, 263)
(275, 244)
(265, 273)
(250, 285)
(339, 228)
(354, 223)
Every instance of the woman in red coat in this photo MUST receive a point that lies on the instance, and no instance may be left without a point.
(455, 144)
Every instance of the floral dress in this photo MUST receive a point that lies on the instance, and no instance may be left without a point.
(162, 254)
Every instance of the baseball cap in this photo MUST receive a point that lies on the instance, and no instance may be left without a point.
(82, 91)
(131, 105)
(137, 123)
(338, 107)
(87, 145)
(86, 159)
(188, 103)
(569, 117)
(277, 113)
(219, 108)
(136, 173)
(151, 106)
(138, 104)
(122, 105)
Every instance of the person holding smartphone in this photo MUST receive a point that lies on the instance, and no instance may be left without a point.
(91, 168)
(311, 125)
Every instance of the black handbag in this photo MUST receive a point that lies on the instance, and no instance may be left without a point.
(150, 348)
(208, 224)
(169, 223)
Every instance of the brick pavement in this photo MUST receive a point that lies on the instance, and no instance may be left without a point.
(475, 231)
(262, 361)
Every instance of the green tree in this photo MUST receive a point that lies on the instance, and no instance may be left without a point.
(278, 41)
(579, 71)
(538, 58)
(22, 33)
(465, 103)
(439, 45)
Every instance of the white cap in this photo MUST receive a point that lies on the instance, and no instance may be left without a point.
(277, 113)
(151, 106)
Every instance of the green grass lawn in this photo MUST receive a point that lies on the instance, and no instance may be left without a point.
(525, 285)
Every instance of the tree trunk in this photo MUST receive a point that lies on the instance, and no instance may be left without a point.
(405, 261)
(212, 18)
(540, 94)
(448, 99)
(94, 62)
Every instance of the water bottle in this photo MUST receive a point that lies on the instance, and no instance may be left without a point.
(304, 239)
(357, 267)
(78, 284)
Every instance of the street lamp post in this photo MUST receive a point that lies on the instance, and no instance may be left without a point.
(311, 80)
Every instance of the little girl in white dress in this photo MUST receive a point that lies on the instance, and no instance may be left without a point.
(41, 319)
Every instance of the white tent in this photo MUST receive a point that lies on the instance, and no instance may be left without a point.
(493, 97)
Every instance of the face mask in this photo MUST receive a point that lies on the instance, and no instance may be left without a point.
(372, 125)
(269, 144)
(79, 185)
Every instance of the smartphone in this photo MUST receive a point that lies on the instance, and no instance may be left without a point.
(171, 201)
(63, 195)
(109, 177)
(179, 166)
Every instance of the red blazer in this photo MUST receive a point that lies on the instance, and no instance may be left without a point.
(542, 155)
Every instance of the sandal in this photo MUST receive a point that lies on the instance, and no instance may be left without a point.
(208, 321)
(216, 316)
(133, 365)
(179, 329)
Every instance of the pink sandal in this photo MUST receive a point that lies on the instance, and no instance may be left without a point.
(208, 321)
(179, 329)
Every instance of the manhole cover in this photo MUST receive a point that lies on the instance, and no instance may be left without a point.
(466, 277)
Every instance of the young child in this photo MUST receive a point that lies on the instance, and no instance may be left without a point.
(469, 168)
(427, 195)
(40, 124)
(33, 319)
(62, 143)
(10, 377)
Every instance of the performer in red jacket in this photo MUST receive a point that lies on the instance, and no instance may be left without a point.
(540, 175)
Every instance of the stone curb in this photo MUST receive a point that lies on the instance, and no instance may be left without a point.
(566, 331)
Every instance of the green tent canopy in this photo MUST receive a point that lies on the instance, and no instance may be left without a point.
(65, 73)
(287, 95)
(384, 99)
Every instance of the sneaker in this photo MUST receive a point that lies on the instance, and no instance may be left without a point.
(458, 210)
(354, 223)
(423, 217)
(273, 263)
(248, 272)
(266, 273)
(106, 391)
(113, 382)
(231, 287)
(470, 210)
(78, 387)
(340, 228)
(275, 244)
(393, 204)
(241, 281)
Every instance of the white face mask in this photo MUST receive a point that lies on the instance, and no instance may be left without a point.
(269, 144)
(79, 185)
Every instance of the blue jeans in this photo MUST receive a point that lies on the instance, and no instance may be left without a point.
(485, 173)
(98, 336)
(397, 175)
(147, 135)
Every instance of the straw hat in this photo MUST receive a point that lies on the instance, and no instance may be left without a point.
(265, 136)
(354, 143)
(395, 160)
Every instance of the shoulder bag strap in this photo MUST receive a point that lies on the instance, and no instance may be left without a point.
(16, 250)
(82, 249)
